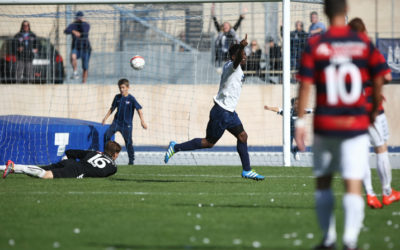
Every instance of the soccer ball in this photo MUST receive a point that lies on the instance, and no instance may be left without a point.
(137, 62)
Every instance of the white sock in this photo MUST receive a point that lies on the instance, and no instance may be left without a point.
(385, 172)
(31, 170)
(353, 218)
(324, 205)
(368, 183)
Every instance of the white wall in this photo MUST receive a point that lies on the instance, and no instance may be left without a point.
(178, 112)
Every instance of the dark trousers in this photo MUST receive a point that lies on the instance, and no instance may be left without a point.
(68, 168)
(126, 132)
(24, 72)
(294, 149)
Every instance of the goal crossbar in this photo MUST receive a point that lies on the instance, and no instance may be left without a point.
(25, 2)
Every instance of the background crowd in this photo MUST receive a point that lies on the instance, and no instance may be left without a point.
(264, 61)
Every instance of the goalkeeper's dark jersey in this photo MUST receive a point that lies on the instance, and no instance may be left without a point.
(93, 163)
(293, 116)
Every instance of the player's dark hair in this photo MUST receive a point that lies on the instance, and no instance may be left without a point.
(314, 13)
(123, 81)
(357, 24)
(333, 8)
(233, 50)
(22, 26)
(111, 148)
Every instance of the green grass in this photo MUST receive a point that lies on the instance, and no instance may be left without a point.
(159, 207)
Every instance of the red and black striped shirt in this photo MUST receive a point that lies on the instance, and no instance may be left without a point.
(368, 87)
(340, 63)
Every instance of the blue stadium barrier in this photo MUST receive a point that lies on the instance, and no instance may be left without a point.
(43, 140)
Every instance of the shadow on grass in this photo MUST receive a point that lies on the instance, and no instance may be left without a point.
(172, 181)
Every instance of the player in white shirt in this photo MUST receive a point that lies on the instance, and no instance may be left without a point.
(222, 115)
(379, 134)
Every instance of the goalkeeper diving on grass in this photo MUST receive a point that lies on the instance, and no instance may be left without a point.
(77, 164)
(222, 115)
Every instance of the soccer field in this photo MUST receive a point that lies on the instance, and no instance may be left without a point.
(178, 207)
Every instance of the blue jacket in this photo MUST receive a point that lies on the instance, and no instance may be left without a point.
(79, 43)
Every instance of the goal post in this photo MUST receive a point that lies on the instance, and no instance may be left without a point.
(286, 82)
(178, 82)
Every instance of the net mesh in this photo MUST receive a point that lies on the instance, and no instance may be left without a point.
(182, 49)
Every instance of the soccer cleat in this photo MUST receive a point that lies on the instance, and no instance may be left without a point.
(9, 168)
(296, 154)
(373, 202)
(252, 175)
(389, 199)
(170, 151)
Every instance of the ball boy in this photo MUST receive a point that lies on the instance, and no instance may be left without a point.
(125, 104)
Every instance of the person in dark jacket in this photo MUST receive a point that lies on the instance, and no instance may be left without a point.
(26, 48)
(225, 38)
(298, 40)
(253, 59)
(80, 47)
(273, 55)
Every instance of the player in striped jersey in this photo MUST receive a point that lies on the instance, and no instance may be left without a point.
(339, 62)
(378, 134)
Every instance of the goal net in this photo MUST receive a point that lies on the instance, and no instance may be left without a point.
(45, 109)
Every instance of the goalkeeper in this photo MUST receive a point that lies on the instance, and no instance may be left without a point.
(90, 164)
(293, 117)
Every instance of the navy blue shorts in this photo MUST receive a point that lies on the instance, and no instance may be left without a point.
(220, 120)
(84, 54)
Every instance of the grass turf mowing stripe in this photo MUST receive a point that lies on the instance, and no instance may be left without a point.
(172, 207)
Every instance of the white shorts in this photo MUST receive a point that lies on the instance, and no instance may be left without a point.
(349, 156)
(379, 131)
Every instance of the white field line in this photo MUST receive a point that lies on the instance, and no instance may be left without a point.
(159, 193)
(266, 194)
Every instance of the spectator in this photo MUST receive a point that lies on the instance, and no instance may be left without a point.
(273, 55)
(182, 37)
(253, 58)
(226, 36)
(298, 39)
(27, 47)
(80, 47)
(316, 27)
